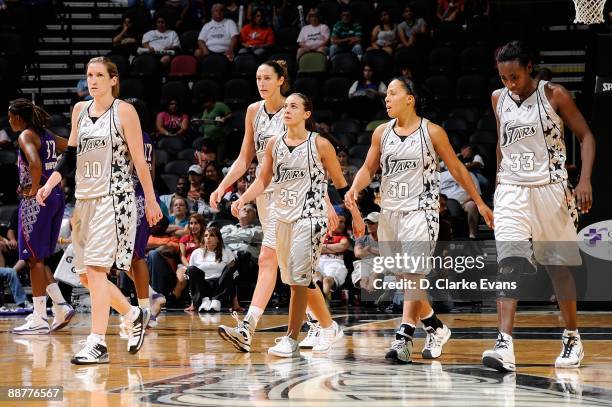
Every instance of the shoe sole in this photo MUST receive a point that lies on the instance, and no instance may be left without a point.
(284, 355)
(134, 349)
(82, 362)
(497, 364)
(36, 332)
(69, 316)
(426, 354)
(229, 338)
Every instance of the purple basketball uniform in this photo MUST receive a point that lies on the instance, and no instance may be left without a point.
(39, 226)
(143, 230)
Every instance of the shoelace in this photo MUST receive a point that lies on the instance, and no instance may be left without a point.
(398, 344)
(313, 330)
(239, 322)
(282, 339)
(569, 346)
(501, 342)
(89, 349)
(433, 339)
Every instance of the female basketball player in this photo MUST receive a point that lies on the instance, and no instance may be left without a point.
(260, 126)
(532, 198)
(299, 161)
(407, 149)
(109, 139)
(39, 226)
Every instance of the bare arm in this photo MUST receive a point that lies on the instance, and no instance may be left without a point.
(575, 121)
(444, 149)
(339, 247)
(56, 177)
(202, 46)
(330, 162)
(30, 144)
(498, 154)
(368, 169)
(261, 182)
(159, 126)
(240, 166)
(184, 126)
(133, 136)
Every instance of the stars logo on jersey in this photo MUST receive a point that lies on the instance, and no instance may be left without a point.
(286, 174)
(262, 141)
(514, 132)
(91, 143)
(393, 165)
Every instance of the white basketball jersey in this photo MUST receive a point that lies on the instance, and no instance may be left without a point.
(299, 180)
(531, 140)
(410, 171)
(104, 165)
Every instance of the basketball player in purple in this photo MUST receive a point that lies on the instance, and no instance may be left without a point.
(139, 272)
(38, 226)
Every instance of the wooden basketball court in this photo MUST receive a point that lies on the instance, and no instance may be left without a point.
(184, 362)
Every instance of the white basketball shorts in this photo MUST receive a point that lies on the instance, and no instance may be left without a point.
(412, 234)
(267, 218)
(298, 248)
(536, 220)
(103, 231)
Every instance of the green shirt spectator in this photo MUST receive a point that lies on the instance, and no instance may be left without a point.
(214, 114)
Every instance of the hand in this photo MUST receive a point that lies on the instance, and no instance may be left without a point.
(153, 212)
(29, 192)
(358, 227)
(42, 194)
(236, 206)
(332, 218)
(230, 55)
(584, 196)
(12, 244)
(215, 198)
(350, 198)
(487, 214)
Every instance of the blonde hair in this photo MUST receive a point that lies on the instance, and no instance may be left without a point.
(111, 68)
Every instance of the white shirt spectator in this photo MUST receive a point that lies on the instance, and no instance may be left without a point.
(217, 35)
(246, 239)
(451, 188)
(408, 30)
(205, 261)
(314, 37)
(160, 41)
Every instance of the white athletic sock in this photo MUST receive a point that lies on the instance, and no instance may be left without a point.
(506, 336)
(54, 292)
(132, 314)
(152, 292)
(40, 306)
(571, 333)
(253, 315)
(101, 339)
(144, 303)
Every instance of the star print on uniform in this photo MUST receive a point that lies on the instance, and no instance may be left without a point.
(556, 150)
(430, 196)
